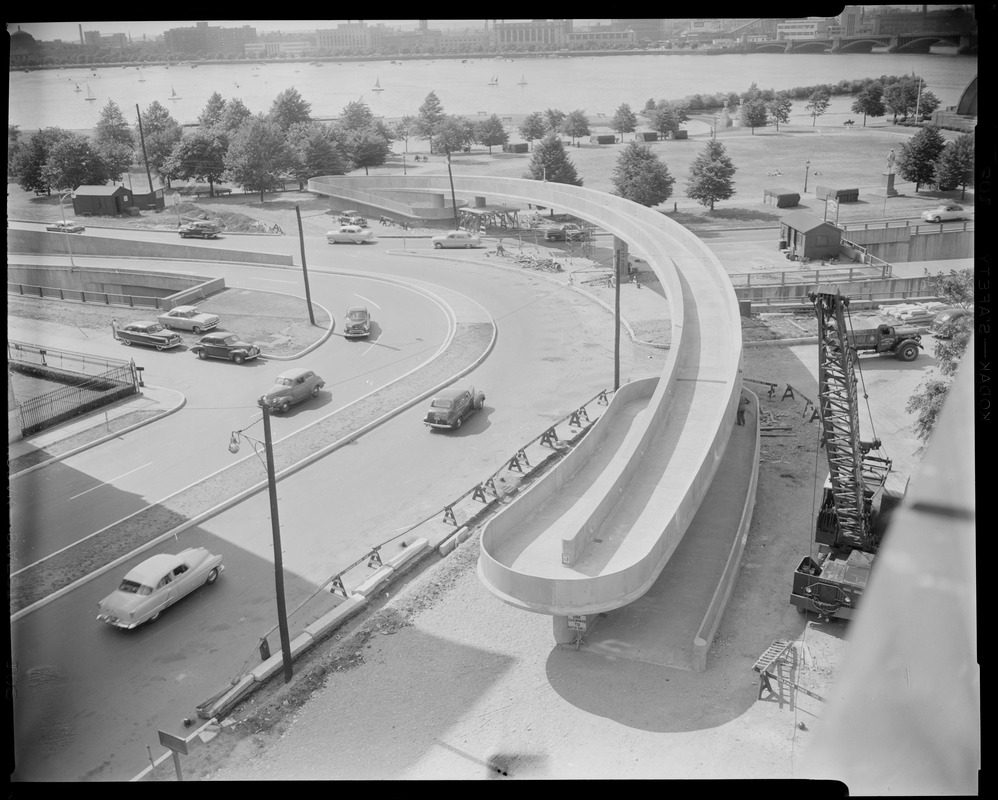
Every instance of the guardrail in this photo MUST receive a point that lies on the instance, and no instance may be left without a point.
(82, 296)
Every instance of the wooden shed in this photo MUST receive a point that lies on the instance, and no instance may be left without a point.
(102, 201)
(781, 198)
(842, 195)
(810, 237)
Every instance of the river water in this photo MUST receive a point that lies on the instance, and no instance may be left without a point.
(595, 84)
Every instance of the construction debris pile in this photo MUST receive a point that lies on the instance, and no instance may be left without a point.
(912, 313)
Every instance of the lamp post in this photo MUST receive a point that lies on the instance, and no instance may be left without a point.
(65, 230)
(713, 130)
(282, 614)
(403, 164)
(807, 168)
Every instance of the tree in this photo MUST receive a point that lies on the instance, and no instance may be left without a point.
(13, 146)
(666, 117)
(869, 102)
(367, 148)
(753, 113)
(926, 402)
(533, 127)
(29, 162)
(258, 155)
(926, 104)
(624, 120)
(553, 119)
(711, 175)
(901, 95)
(73, 161)
(778, 108)
(356, 116)
(551, 163)
(917, 159)
(955, 166)
(315, 150)
(288, 108)
(212, 112)
(575, 125)
(453, 134)
(403, 128)
(818, 103)
(161, 133)
(640, 176)
(113, 139)
(198, 155)
(231, 120)
(430, 115)
(491, 132)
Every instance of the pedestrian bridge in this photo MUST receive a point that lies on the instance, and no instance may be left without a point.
(595, 532)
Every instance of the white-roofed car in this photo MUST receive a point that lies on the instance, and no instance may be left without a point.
(456, 239)
(291, 387)
(347, 234)
(156, 584)
(66, 226)
(946, 212)
(188, 318)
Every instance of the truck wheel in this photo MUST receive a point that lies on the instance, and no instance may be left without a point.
(908, 351)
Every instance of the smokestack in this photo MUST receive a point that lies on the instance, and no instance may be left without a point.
(80, 26)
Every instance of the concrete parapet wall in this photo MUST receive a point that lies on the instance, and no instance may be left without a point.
(873, 289)
(923, 242)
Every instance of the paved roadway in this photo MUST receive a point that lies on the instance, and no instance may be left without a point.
(90, 698)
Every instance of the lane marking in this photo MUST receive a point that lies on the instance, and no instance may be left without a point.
(105, 483)
(369, 302)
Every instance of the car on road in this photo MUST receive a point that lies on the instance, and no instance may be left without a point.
(156, 584)
(942, 322)
(188, 318)
(66, 226)
(566, 233)
(452, 406)
(357, 323)
(291, 387)
(200, 229)
(225, 345)
(946, 212)
(352, 217)
(456, 239)
(151, 334)
(350, 234)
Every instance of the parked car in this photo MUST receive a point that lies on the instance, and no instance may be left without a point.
(200, 229)
(66, 226)
(291, 387)
(350, 233)
(156, 584)
(147, 333)
(358, 322)
(225, 345)
(188, 318)
(946, 212)
(450, 407)
(942, 322)
(456, 239)
(352, 217)
(569, 232)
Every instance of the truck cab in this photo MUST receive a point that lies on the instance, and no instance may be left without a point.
(888, 340)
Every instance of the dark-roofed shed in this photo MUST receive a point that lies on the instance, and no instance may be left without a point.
(810, 237)
(102, 201)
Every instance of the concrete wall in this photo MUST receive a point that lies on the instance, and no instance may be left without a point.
(857, 290)
(918, 243)
(82, 245)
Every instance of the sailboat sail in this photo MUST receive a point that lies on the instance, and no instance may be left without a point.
(77, 89)
(142, 78)
(377, 85)
(494, 81)
(90, 93)
(173, 94)
(523, 80)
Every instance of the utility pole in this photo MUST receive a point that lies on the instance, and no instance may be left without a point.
(142, 139)
(616, 320)
(282, 612)
(453, 198)
(304, 269)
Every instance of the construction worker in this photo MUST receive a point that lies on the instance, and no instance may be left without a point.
(742, 405)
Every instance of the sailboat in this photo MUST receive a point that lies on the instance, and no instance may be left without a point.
(523, 81)
(377, 85)
(173, 94)
(90, 93)
(494, 81)
(77, 89)
(141, 77)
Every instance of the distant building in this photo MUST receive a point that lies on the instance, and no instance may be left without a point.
(206, 39)
(352, 36)
(797, 30)
(280, 47)
(538, 33)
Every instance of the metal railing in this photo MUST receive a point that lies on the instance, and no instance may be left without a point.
(79, 295)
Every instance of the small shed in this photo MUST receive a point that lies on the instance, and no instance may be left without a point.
(649, 136)
(781, 198)
(810, 237)
(516, 147)
(102, 201)
(842, 195)
(603, 139)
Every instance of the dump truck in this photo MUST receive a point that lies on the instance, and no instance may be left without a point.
(888, 340)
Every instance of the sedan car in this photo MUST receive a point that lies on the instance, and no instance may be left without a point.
(200, 229)
(450, 407)
(291, 387)
(188, 318)
(225, 345)
(946, 212)
(65, 226)
(350, 234)
(943, 322)
(157, 583)
(358, 322)
(456, 239)
(151, 334)
(563, 233)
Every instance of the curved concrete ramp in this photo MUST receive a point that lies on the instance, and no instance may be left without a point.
(595, 532)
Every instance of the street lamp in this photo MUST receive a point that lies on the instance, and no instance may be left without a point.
(807, 168)
(713, 130)
(282, 613)
(65, 229)
(403, 164)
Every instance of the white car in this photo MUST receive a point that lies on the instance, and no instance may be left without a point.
(350, 233)
(188, 318)
(69, 226)
(946, 212)
(456, 239)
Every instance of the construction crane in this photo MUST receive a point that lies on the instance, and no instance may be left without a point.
(861, 490)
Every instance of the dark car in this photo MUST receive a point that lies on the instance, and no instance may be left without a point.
(566, 233)
(358, 322)
(151, 334)
(942, 323)
(291, 387)
(450, 407)
(200, 229)
(225, 345)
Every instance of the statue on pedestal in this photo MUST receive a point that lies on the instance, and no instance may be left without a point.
(890, 161)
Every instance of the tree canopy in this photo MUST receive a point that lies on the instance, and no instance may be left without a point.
(289, 108)
(817, 104)
(955, 165)
(917, 160)
(534, 126)
(198, 155)
(258, 156)
(550, 162)
(575, 124)
(491, 132)
(640, 176)
(431, 112)
(624, 120)
(711, 175)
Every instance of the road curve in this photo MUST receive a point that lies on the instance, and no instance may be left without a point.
(595, 533)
